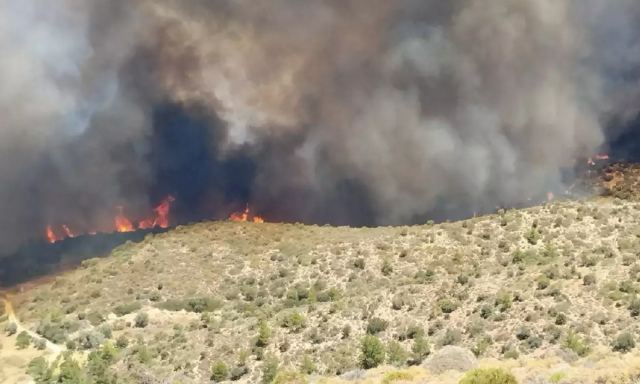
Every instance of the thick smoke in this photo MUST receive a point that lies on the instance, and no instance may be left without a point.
(343, 111)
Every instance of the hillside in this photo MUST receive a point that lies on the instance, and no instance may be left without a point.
(548, 293)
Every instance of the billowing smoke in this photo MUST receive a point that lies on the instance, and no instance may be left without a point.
(344, 111)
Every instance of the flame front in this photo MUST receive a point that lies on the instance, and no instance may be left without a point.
(122, 223)
(51, 236)
(162, 212)
(67, 231)
(159, 219)
(161, 215)
(245, 216)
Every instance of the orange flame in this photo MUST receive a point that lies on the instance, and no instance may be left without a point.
(162, 212)
(245, 216)
(122, 223)
(68, 231)
(161, 218)
(51, 236)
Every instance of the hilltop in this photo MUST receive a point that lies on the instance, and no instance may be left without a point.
(548, 293)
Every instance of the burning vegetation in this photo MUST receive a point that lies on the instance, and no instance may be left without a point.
(245, 216)
(159, 218)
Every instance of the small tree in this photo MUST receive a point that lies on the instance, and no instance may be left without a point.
(420, 349)
(372, 352)
(219, 372)
(264, 333)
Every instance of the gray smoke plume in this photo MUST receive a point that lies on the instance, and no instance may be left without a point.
(353, 111)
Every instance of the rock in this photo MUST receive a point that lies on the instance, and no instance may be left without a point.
(451, 358)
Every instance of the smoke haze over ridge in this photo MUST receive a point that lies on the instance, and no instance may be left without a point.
(351, 112)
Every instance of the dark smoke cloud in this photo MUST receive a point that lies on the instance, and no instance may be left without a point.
(346, 111)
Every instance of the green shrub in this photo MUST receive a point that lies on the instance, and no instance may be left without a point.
(503, 301)
(269, 370)
(11, 329)
(372, 351)
(40, 344)
(264, 333)
(486, 311)
(420, 349)
(219, 372)
(488, 376)
(39, 370)
(396, 355)
(54, 332)
(543, 282)
(308, 366)
(95, 318)
(294, 321)
(576, 344)
(589, 279)
(481, 346)
(425, 277)
(447, 305)
(624, 343)
(451, 337)
(196, 304)
(141, 320)
(395, 376)
(237, 372)
(634, 307)
(122, 342)
(125, 309)
(23, 340)
(387, 268)
(90, 340)
(523, 333)
(533, 236)
(376, 325)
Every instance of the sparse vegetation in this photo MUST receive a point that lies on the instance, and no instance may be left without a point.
(280, 301)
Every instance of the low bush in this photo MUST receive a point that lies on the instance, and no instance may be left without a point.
(624, 343)
(488, 376)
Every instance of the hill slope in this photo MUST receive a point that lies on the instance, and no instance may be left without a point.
(543, 291)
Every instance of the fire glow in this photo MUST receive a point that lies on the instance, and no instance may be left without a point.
(159, 219)
(245, 216)
(121, 223)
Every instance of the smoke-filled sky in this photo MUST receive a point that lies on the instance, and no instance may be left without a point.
(358, 112)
